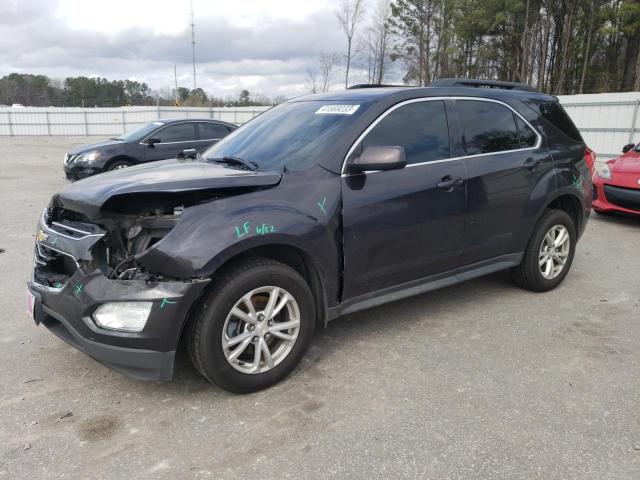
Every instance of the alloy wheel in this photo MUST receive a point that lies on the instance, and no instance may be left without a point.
(261, 329)
(554, 251)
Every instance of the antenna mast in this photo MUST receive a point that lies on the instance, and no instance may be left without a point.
(193, 45)
(175, 79)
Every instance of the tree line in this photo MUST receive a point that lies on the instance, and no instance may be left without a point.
(42, 91)
(558, 46)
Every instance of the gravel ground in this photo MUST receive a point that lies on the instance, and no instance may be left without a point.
(480, 380)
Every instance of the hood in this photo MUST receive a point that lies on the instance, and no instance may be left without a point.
(169, 176)
(95, 146)
(627, 163)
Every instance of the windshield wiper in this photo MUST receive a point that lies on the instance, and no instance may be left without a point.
(247, 164)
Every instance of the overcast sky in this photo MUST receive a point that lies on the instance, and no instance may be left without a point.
(262, 45)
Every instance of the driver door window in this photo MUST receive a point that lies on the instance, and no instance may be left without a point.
(420, 127)
(179, 132)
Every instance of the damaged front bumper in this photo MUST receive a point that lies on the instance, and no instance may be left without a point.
(65, 297)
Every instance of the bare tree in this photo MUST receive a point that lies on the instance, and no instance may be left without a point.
(381, 35)
(327, 62)
(349, 15)
(312, 83)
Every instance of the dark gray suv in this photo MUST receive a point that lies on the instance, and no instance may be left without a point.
(322, 206)
(158, 140)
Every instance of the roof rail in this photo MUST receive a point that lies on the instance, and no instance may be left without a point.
(376, 85)
(464, 82)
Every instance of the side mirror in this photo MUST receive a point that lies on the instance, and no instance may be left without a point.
(378, 158)
(152, 141)
(628, 147)
(188, 153)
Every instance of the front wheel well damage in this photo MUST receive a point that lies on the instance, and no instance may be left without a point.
(293, 257)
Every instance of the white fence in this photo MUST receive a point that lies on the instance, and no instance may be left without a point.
(607, 121)
(106, 121)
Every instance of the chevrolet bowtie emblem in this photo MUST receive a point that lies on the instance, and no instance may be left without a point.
(41, 236)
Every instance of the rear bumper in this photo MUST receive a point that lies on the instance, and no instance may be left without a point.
(613, 198)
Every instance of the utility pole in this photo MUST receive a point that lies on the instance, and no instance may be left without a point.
(175, 79)
(193, 45)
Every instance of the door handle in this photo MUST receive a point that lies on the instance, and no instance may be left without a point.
(448, 183)
(532, 163)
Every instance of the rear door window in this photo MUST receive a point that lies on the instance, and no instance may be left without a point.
(420, 127)
(212, 131)
(487, 127)
(528, 138)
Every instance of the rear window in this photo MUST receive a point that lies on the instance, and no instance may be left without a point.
(556, 115)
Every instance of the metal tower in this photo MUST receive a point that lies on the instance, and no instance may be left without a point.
(193, 45)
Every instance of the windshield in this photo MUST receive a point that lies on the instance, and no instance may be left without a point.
(292, 135)
(140, 133)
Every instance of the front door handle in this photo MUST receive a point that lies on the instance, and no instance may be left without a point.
(448, 183)
(532, 163)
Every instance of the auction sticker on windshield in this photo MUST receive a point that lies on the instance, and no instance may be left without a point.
(337, 109)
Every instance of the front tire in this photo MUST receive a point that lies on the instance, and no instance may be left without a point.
(549, 254)
(253, 326)
(119, 164)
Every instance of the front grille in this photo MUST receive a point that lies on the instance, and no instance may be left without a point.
(623, 197)
(74, 230)
(52, 268)
(66, 239)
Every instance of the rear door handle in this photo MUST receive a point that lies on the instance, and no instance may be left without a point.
(532, 163)
(448, 183)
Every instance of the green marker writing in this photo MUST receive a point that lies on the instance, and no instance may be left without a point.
(245, 230)
(321, 205)
(166, 302)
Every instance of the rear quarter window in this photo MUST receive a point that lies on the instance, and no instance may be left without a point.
(553, 113)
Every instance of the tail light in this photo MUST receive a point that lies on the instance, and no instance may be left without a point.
(590, 159)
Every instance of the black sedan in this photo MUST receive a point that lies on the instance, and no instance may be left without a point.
(158, 140)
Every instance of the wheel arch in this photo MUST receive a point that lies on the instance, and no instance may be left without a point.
(292, 256)
(120, 157)
(296, 258)
(569, 203)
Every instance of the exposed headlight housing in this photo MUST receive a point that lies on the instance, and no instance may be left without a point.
(87, 157)
(123, 316)
(603, 170)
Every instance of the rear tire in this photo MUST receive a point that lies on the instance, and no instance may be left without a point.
(542, 266)
(230, 312)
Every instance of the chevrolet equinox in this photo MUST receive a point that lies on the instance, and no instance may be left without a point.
(320, 207)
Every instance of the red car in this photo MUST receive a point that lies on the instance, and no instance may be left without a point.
(616, 183)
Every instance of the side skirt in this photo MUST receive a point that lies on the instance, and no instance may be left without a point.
(427, 284)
